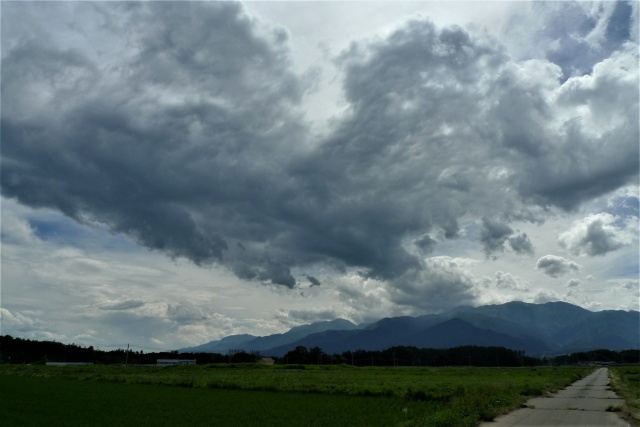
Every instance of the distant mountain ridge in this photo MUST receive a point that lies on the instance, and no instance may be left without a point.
(253, 343)
(538, 329)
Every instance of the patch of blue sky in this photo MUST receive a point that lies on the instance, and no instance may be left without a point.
(625, 206)
(570, 32)
(625, 209)
(625, 266)
(61, 230)
(619, 25)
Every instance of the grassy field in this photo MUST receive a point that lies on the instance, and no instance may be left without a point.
(246, 395)
(33, 401)
(626, 383)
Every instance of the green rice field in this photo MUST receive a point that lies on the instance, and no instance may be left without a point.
(281, 395)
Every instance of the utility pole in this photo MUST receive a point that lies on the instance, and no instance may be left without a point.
(126, 357)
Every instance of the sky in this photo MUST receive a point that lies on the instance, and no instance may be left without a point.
(176, 172)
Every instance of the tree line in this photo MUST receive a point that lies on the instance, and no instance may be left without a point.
(456, 356)
(414, 356)
(602, 355)
(25, 351)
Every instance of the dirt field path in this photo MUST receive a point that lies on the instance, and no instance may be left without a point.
(583, 403)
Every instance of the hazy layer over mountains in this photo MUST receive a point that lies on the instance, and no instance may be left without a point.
(538, 329)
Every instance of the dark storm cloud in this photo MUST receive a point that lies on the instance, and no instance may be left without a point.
(386, 171)
(493, 235)
(556, 266)
(314, 281)
(598, 241)
(180, 146)
(521, 244)
(278, 273)
(123, 305)
(442, 283)
(425, 243)
(184, 132)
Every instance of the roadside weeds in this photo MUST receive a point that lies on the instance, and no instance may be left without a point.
(630, 411)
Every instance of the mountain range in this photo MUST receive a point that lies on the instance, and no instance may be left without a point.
(537, 329)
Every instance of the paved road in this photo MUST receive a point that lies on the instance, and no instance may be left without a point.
(583, 403)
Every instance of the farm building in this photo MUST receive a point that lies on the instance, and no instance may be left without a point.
(266, 361)
(168, 362)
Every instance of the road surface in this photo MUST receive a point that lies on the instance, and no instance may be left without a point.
(583, 403)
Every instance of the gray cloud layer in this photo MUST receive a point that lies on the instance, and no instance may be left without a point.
(495, 234)
(179, 125)
(556, 266)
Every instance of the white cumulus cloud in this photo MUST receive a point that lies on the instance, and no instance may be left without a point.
(599, 234)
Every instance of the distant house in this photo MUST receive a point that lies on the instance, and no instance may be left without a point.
(266, 361)
(169, 362)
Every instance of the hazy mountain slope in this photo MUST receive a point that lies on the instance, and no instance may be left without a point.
(220, 346)
(613, 330)
(437, 333)
(531, 341)
(538, 329)
(253, 343)
(329, 341)
(457, 332)
(566, 328)
(297, 333)
(544, 320)
(385, 333)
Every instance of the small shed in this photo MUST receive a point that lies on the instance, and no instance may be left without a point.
(266, 361)
(169, 362)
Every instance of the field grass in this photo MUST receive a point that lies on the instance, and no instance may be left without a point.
(245, 395)
(625, 380)
(33, 401)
